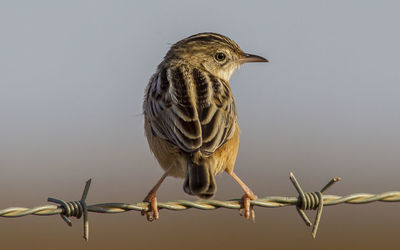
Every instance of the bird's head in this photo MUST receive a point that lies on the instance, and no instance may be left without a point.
(213, 52)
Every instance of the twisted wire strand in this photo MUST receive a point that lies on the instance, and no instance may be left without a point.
(268, 202)
(305, 201)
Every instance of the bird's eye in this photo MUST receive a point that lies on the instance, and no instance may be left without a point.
(219, 56)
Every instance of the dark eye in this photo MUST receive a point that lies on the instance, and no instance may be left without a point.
(219, 56)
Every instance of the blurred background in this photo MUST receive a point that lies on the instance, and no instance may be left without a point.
(72, 79)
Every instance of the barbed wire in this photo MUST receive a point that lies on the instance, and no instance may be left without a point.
(305, 201)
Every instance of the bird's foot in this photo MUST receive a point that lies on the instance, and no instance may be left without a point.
(152, 214)
(248, 209)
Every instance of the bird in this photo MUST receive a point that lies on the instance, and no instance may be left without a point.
(190, 116)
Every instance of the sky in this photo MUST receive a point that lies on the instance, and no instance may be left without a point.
(72, 80)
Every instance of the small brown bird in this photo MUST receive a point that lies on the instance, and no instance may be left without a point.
(190, 115)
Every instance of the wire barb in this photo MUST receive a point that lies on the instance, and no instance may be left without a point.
(75, 209)
(311, 201)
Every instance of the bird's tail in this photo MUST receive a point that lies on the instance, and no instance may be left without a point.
(199, 180)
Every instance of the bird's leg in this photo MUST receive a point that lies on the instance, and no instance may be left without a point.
(248, 195)
(152, 199)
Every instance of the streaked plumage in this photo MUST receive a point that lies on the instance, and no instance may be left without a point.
(190, 113)
(191, 109)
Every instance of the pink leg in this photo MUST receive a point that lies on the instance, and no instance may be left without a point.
(152, 199)
(248, 195)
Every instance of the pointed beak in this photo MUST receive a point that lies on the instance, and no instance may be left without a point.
(245, 58)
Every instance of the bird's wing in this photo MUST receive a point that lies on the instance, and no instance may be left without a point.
(216, 110)
(190, 109)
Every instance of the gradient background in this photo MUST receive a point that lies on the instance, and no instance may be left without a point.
(72, 78)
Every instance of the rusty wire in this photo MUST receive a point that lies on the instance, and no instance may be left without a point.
(310, 200)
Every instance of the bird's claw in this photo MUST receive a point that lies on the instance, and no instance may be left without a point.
(248, 209)
(151, 214)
